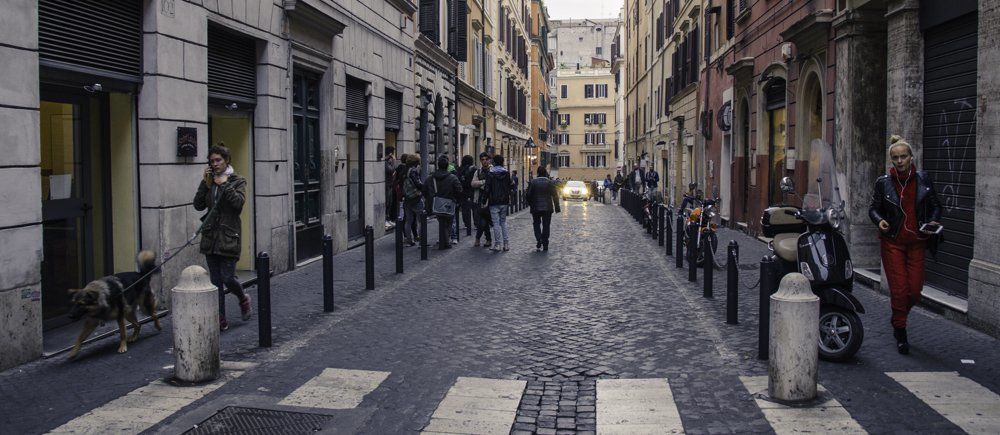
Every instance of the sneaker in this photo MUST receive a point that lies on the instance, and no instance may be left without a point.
(538, 246)
(495, 248)
(246, 309)
(223, 324)
(545, 246)
(487, 244)
(476, 244)
(505, 247)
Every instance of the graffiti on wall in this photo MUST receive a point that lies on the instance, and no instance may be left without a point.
(954, 152)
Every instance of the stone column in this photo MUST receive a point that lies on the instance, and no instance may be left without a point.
(984, 270)
(860, 128)
(905, 73)
(21, 215)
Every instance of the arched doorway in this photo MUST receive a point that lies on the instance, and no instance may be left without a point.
(777, 132)
(748, 157)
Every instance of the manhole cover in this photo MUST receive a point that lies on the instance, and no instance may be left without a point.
(239, 420)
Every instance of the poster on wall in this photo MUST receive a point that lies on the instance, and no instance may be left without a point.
(187, 142)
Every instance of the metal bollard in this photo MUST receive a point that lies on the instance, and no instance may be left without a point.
(668, 233)
(659, 223)
(195, 305)
(369, 258)
(423, 234)
(399, 246)
(692, 255)
(768, 276)
(732, 282)
(680, 241)
(793, 354)
(264, 299)
(327, 273)
(709, 265)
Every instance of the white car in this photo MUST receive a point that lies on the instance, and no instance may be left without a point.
(576, 190)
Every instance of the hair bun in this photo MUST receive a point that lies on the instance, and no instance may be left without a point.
(895, 138)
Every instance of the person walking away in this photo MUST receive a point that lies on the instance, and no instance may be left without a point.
(479, 199)
(442, 184)
(619, 182)
(412, 188)
(466, 172)
(390, 200)
(607, 185)
(498, 184)
(543, 199)
(223, 193)
(902, 202)
(398, 176)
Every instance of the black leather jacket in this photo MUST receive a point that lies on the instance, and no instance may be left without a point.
(885, 204)
(543, 195)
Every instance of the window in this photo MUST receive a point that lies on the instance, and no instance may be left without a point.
(562, 161)
(602, 91)
(563, 91)
(597, 161)
(586, 119)
(599, 50)
(429, 19)
(564, 119)
(588, 91)
(588, 138)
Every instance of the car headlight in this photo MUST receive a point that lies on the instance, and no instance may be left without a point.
(585, 191)
(565, 191)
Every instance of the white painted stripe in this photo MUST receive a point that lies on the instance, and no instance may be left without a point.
(827, 417)
(636, 406)
(336, 389)
(478, 406)
(146, 406)
(968, 405)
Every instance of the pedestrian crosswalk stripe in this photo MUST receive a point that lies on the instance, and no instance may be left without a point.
(826, 417)
(336, 389)
(146, 406)
(968, 405)
(478, 406)
(632, 406)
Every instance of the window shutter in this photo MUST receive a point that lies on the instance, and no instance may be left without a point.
(102, 38)
(586, 118)
(429, 19)
(357, 102)
(393, 110)
(458, 38)
(694, 56)
(232, 66)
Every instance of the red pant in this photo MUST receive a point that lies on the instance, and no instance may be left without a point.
(904, 269)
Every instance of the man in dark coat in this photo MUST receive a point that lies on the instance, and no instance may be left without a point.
(543, 199)
(442, 184)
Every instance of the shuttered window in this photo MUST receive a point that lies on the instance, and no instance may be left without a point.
(94, 37)
(232, 66)
(357, 102)
(458, 38)
(393, 110)
(429, 19)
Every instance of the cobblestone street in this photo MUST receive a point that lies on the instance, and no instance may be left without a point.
(545, 331)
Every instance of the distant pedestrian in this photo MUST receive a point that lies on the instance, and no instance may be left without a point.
(498, 185)
(902, 202)
(514, 180)
(619, 182)
(543, 199)
(412, 192)
(223, 192)
(637, 179)
(466, 172)
(652, 179)
(482, 211)
(442, 184)
(390, 199)
(607, 185)
(398, 176)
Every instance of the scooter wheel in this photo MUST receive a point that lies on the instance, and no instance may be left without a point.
(840, 333)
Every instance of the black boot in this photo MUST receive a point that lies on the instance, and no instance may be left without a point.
(902, 345)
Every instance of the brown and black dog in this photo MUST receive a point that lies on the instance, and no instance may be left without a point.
(116, 297)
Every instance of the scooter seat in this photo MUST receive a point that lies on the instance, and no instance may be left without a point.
(786, 245)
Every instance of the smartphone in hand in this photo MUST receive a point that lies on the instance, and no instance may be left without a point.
(932, 228)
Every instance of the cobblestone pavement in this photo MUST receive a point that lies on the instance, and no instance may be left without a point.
(603, 303)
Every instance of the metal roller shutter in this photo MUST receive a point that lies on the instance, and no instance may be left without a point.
(357, 102)
(232, 66)
(949, 148)
(393, 110)
(94, 37)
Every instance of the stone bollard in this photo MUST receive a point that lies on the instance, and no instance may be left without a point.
(195, 306)
(793, 352)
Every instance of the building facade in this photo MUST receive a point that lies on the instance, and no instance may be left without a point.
(585, 123)
(106, 146)
(582, 43)
(512, 85)
(476, 101)
(540, 66)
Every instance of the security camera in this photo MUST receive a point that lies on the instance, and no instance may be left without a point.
(232, 106)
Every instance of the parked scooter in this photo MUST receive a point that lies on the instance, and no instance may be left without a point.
(703, 222)
(807, 240)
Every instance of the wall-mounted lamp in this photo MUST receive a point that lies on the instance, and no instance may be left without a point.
(94, 88)
(232, 107)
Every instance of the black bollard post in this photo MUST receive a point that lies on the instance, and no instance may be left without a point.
(680, 241)
(668, 233)
(768, 276)
(661, 212)
(399, 246)
(263, 300)
(732, 281)
(327, 273)
(692, 255)
(369, 258)
(709, 265)
(423, 234)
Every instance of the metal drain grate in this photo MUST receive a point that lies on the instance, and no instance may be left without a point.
(239, 420)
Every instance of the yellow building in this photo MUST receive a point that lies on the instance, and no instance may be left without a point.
(585, 126)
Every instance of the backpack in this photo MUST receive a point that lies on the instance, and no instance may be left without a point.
(410, 190)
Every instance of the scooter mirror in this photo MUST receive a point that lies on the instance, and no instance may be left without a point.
(787, 185)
